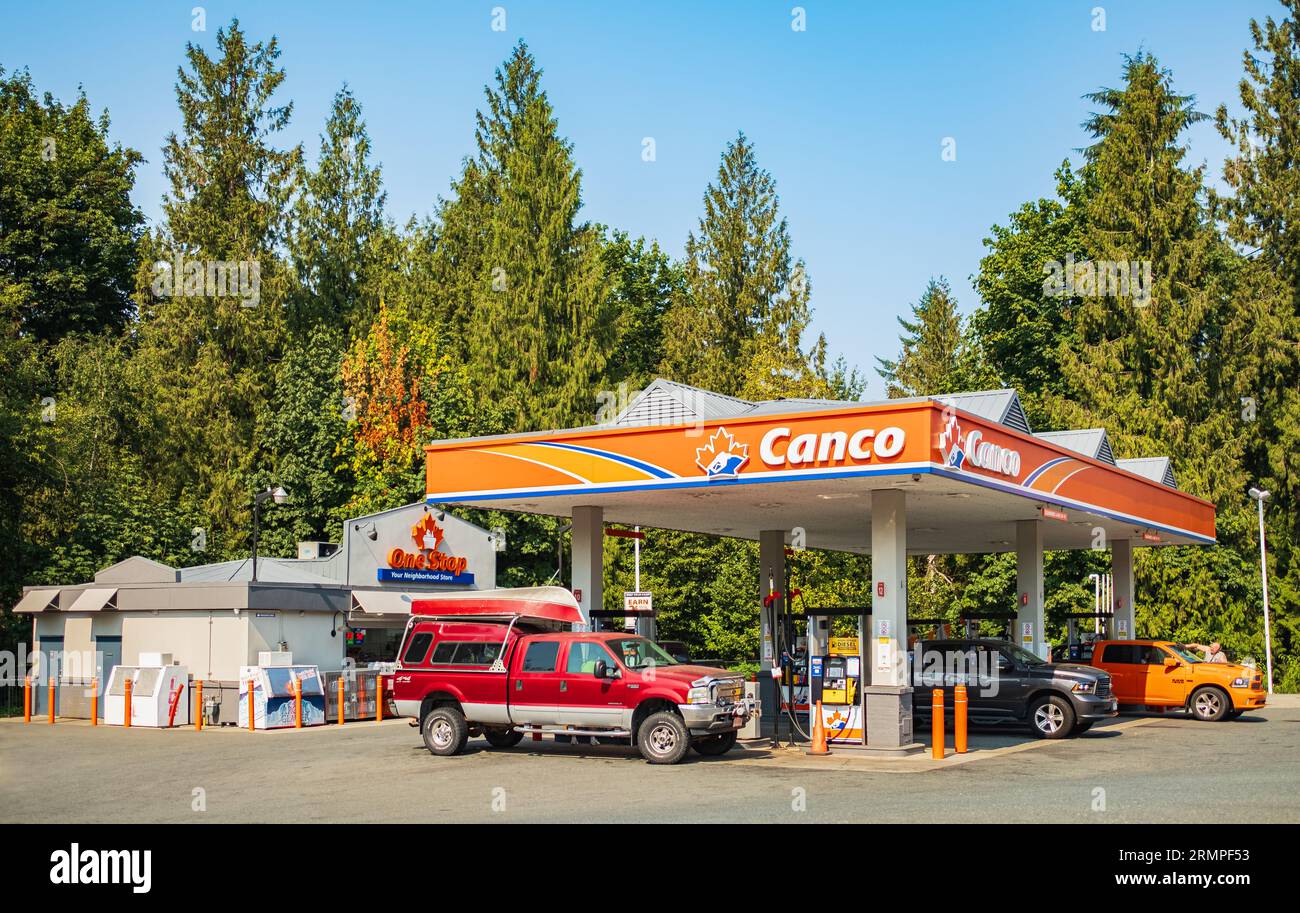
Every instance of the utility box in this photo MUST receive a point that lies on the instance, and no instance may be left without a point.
(154, 690)
(752, 729)
(273, 696)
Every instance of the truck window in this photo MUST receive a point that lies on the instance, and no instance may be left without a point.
(1122, 654)
(1153, 656)
(583, 656)
(465, 653)
(418, 648)
(541, 656)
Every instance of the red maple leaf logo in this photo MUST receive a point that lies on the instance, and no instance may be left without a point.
(427, 527)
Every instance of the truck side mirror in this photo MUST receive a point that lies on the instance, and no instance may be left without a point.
(601, 669)
(1171, 663)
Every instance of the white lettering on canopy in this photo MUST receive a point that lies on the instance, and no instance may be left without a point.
(830, 446)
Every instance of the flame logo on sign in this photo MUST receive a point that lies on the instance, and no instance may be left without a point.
(427, 528)
(722, 457)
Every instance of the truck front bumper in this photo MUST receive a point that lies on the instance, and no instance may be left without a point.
(710, 719)
(1089, 708)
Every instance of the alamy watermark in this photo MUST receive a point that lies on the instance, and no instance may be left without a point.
(1098, 279)
(209, 279)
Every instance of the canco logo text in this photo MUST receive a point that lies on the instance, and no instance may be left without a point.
(779, 448)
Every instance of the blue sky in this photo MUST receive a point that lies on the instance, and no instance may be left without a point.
(849, 115)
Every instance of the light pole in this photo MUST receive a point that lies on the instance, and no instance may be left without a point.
(278, 496)
(1260, 496)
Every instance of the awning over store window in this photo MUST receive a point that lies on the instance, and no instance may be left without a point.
(94, 599)
(378, 605)
(38, 601)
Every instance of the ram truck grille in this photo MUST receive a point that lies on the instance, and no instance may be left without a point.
(1103, 687)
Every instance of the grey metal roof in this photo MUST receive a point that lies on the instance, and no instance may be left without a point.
(666, 402)
(1001, 406)
(1091, 442)
(269, 570)
(1158, 469)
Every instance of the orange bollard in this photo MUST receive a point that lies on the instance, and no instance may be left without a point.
(959, 719)
(936, 723)
(251, 717)
(94, 702)
(361, 698)
(297, 704)
(198, 706)
(52, 698)
(340, 700)
(27, 698)
(818, 734)
(127, 685)
(379, 698)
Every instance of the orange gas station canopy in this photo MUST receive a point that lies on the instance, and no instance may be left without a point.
(687, 459)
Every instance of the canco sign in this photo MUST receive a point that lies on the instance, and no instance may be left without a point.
(779, 448)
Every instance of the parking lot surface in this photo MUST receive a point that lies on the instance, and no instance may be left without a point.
(1148, 769)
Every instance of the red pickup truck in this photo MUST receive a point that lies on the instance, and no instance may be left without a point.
(496, 664)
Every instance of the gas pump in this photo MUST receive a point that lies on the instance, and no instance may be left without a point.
(1079, 645)
(835, 675)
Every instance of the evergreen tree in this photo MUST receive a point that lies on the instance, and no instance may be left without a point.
(68, 229)
(1024, 321)
(1263, 215)
(207, 354)
(738, 327)
(533, 301)
(644, 281)
(938, 354)
(337, 217)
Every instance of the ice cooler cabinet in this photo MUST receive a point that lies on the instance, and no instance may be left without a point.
(273, 705)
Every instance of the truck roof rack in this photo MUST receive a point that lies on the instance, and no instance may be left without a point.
(543, 603)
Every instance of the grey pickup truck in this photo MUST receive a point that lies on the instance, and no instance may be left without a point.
(1005, 683)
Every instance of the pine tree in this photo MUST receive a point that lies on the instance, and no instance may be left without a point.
(525, 279)
(338, 215)
(1263, 215)
(938, 354)
(207, 354)
(738, 327)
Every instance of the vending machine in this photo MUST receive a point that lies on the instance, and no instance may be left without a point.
(159, 693)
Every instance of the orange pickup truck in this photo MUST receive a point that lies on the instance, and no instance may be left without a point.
(1160, 673)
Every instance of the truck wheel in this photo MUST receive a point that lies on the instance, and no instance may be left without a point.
(1209, 704)
(663, 738)
(445, 731)
(1051, 717)
(502, 738)
(713, 745)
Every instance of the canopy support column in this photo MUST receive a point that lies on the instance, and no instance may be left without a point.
(589, 560)
(1030, 632)
(887, 700)
(1121, 571)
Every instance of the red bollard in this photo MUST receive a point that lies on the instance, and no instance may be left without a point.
(959, 719)
(936, 724)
